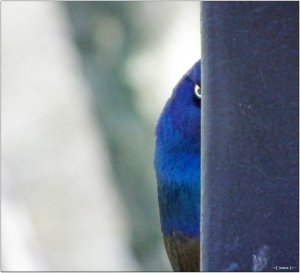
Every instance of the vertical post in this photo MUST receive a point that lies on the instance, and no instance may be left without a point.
(250, 136)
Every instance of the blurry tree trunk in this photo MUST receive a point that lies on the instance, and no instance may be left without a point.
(60, 175)
(106, 35)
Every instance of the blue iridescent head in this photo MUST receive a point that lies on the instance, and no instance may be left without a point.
(186, 105)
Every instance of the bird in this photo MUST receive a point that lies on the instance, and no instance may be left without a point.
(177, 165)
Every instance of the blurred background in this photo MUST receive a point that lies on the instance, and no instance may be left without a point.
(83, 84)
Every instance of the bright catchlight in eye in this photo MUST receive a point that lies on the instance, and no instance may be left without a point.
(197, 91)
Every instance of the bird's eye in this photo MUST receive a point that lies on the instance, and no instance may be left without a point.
(197, 91)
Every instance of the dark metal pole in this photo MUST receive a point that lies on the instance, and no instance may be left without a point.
(250, 136)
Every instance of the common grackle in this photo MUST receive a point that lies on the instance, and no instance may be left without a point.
(177, 164)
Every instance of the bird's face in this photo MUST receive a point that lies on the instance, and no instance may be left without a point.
(185, 105)
(179, 124)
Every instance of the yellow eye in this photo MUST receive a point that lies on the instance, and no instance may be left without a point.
(197, 91)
